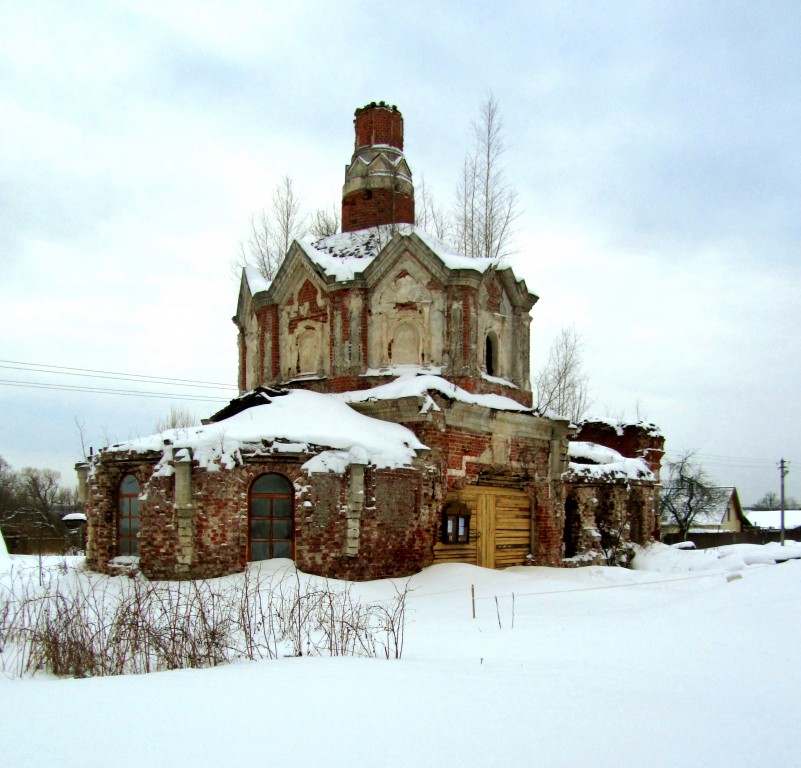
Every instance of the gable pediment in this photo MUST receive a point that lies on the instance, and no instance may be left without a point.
(401, 252)
(293, 273)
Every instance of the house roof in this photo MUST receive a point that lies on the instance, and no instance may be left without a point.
(725, 497)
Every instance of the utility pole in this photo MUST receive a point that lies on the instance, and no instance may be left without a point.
(783, 471)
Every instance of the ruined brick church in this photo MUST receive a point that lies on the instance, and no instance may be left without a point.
(384, 422)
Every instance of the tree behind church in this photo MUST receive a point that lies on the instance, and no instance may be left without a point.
(486, 202)
(689, 495)
(562, 385)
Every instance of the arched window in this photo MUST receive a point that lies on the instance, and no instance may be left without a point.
(128, 516)
(491, 355)
(270, 518)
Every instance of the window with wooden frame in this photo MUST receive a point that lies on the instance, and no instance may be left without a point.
(128, 516)
(456, 523)
(270, 518)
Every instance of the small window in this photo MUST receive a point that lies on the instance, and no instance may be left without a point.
(456, 524)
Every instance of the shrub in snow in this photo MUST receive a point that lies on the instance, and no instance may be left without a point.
(75, 625)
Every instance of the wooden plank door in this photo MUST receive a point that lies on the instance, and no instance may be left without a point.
(485, 530)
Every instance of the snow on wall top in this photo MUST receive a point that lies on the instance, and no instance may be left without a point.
(412, 385)
(619, 425)
(347, 254)
(296, 422)
(590, 461)
(256, 281)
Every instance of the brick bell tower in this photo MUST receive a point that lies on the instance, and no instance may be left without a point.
(378, 185)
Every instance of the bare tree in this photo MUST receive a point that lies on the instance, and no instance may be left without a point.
(272, 231)
(80, 427)
(178, 418)
(9, 492)
(689, 495)
(771, 500)
(562, 385)
(486, 203)
(325, 222)
(429, 216)
(39, 489)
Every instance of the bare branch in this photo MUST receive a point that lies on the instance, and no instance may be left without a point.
(562, 385)
(325, 222)
(486, 203)
(272, 232)
(689, 494)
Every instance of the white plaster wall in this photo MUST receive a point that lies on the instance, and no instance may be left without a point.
(400, 302)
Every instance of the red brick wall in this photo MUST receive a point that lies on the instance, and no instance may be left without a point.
(365, 208)
(397, 528)
(378, 124)
(310, 306)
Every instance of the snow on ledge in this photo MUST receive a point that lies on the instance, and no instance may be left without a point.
(411, 385)
(256, 281)
(590, 461)
(344, 255)
(619, 425)
(296, 421)
(498, 380)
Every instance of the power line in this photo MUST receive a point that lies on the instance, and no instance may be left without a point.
(117, 377)
(95, 373)
(110, 391)
(727, 461)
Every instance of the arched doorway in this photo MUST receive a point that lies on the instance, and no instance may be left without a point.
(270, 505)
(128, 516)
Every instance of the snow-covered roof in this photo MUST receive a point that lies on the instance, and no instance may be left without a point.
(295, 421)
(771, 518)
(590, 461)
(414, 385)
(715, 515)
(343, 256)
(74, 516)
(256, 281)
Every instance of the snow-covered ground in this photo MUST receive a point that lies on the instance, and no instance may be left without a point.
(688, 661)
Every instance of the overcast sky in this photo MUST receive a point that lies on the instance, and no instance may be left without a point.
(655, 147)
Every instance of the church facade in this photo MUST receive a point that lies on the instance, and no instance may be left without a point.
(384, 423)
